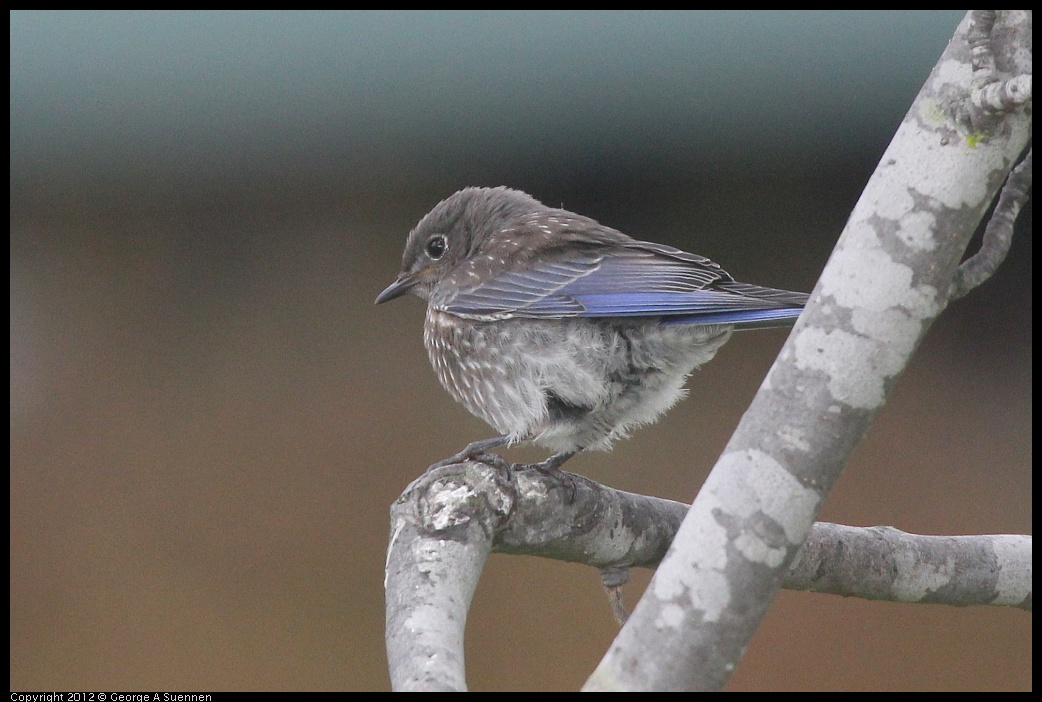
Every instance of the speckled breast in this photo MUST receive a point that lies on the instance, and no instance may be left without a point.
(473, 361)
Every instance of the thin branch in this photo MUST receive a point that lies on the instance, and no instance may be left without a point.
(978, 38)
(997, 89)
(883, 563)
(1003, 96)
(998, 234)
(612, 580)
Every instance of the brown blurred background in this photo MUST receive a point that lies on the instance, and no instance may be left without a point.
(209, 417)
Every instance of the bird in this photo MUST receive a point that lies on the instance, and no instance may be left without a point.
(558, 330)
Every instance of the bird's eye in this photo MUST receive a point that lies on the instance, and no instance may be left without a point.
(436, 247)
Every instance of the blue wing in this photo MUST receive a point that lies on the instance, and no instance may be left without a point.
(638, 279)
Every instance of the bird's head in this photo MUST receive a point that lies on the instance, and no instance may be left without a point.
(456, 228)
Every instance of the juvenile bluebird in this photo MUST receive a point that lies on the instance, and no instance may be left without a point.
(554, 328)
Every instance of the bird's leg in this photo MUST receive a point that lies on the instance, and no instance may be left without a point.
(477, 450)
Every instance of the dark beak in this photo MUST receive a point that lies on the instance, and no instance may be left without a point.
(398, 288)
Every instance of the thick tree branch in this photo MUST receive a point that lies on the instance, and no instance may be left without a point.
(888, 279)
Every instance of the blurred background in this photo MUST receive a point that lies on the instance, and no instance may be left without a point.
(210, 418)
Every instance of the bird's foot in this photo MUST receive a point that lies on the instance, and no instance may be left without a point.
(551, 467)
(493, 460)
